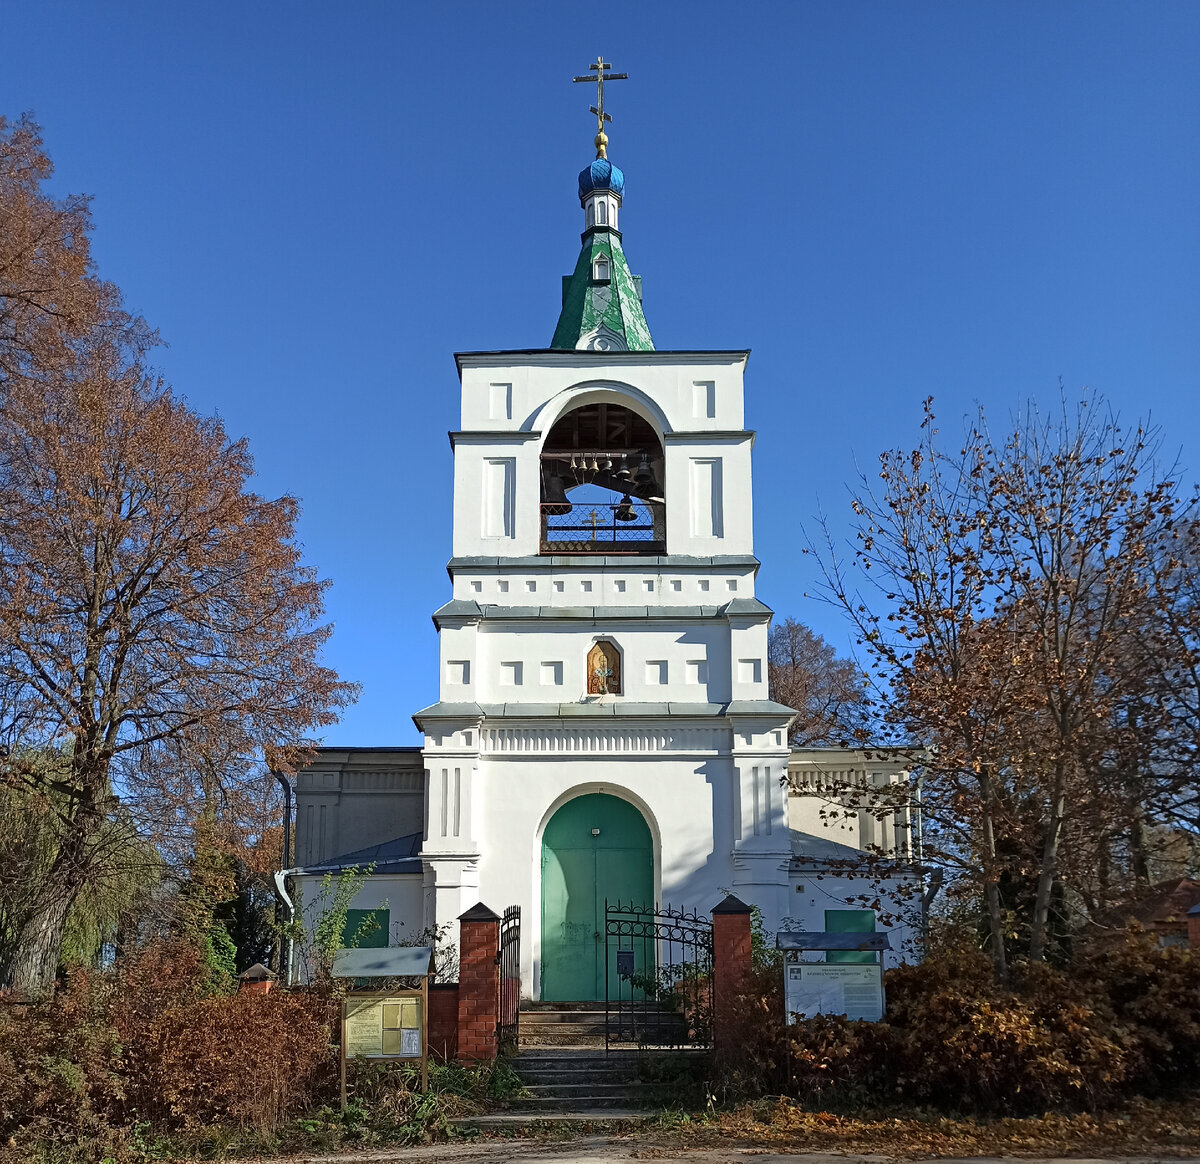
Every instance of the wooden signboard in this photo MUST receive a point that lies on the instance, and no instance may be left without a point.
(386, 1024)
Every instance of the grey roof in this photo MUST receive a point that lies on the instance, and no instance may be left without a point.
(444, 710)
(600, 613)
(624, 709)
(574, 356)
(808, 848)
(461, 608)
(631, 561)
(820, 940)
(386, 962)
(394, 856)
(746, 606)
(767, 707)
(456, 608)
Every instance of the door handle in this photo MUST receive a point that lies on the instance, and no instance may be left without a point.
(596, 935)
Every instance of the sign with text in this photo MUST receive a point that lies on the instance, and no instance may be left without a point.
(384, 1026)
(855, 990)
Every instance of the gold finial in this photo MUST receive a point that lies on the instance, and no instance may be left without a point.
(600, 69)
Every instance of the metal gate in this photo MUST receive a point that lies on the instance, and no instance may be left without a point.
(508, 958)
(658, 979)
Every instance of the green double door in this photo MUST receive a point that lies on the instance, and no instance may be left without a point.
(594, 847)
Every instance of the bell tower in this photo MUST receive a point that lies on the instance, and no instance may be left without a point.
(602, 641)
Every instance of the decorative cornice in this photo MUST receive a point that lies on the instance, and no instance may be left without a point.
(601, 740)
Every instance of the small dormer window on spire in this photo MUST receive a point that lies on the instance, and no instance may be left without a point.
(601, 271)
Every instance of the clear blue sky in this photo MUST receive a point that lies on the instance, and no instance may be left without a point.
(318, 203)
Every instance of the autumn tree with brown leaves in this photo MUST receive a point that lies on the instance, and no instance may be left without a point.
(1021, 603)
(159, 633)
(806, 673)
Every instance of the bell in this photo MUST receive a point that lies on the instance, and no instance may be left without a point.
(554, 499)
(623, 472)
(625, 511)
(644, 475)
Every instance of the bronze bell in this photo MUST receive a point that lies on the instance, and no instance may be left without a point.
(554, 497)
(625, 511)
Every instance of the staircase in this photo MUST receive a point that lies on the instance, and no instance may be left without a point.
(567, 1075)
(578, 1025)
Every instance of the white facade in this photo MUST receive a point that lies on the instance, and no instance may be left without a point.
(692, 740)
(626, 658)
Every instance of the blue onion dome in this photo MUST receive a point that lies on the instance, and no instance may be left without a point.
(601, 175)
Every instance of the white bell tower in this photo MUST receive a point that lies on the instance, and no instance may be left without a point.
(603, 638)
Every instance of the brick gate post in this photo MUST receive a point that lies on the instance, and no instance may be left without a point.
(478, 983)
(731, 959)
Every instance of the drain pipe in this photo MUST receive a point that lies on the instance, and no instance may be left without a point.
(285, 953)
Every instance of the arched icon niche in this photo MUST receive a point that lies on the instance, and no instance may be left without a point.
(604, 668)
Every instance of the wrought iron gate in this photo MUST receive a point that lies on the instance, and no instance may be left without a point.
(508, 958)
(658, 976)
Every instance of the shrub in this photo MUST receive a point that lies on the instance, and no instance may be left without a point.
(951, 1038)
(150, 1044)
(61, 1066)
(959, 1041)
(246, 1059)
(1153, 994)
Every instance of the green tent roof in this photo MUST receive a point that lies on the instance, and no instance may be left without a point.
(602, 314)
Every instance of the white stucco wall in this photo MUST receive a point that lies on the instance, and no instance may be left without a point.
(401, 894)
(898, 912)
(509, 406)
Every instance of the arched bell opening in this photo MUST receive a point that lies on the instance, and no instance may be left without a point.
(602, 484)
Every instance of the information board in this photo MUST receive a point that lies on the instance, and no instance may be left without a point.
(855, 990)
(384, 1027)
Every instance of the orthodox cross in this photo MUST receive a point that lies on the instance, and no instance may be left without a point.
(600, 69)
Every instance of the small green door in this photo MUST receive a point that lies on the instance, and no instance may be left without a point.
(594, 847)
(850, 921)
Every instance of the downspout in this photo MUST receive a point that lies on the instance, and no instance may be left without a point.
(285, 954)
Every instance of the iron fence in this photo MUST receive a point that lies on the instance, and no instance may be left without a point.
(508, 958)
(658, 979)
(624, 527)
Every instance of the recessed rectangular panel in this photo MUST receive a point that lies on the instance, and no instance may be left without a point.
(499, 495)
(500, 401)
(706, 501)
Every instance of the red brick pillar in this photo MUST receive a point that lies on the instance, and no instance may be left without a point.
(478, 983)
(731, 957)
(1193, 924)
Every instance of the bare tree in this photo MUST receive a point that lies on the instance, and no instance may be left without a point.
(1017, 604)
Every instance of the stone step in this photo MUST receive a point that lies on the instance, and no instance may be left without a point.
(593, 1026)
(559, 1017)
(591, 1072)
(582, 1093)
(530, 1007)
(516, 1123)
(597, 1101)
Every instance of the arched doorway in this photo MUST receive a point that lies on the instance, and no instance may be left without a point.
(594, 847)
